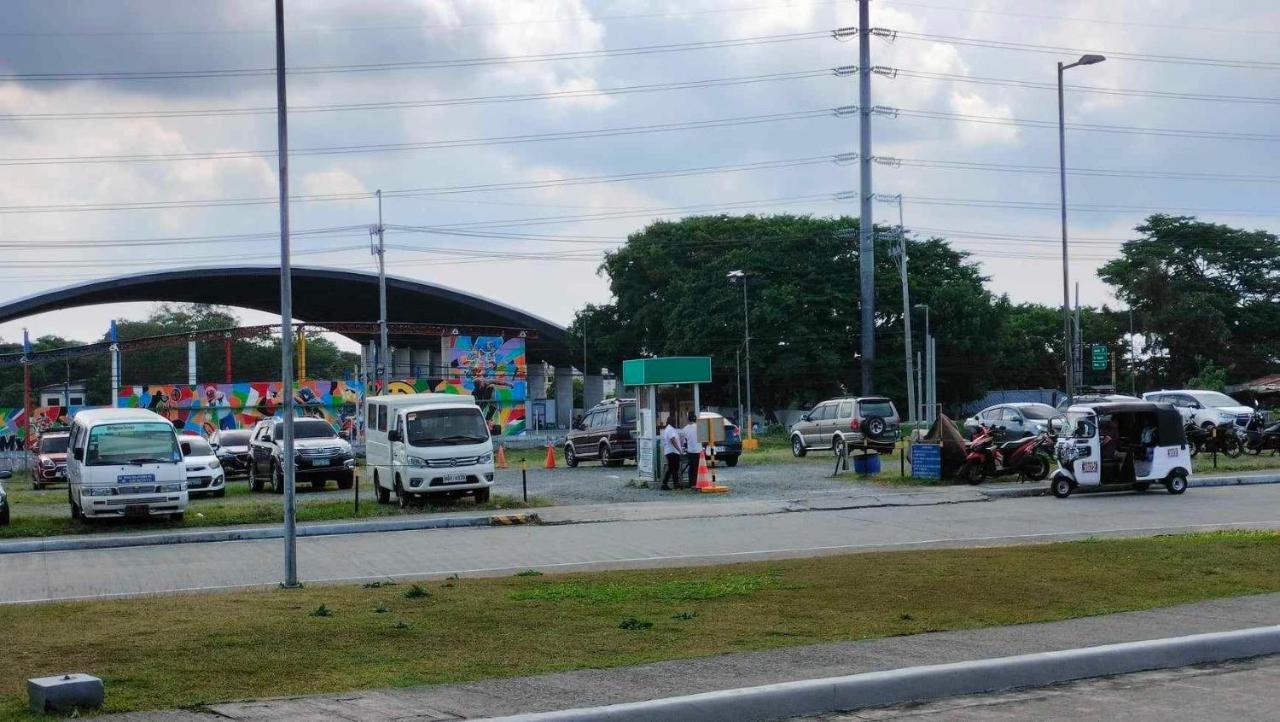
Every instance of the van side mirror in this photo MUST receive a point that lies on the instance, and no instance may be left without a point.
(77, 454)
(6, 474)
(395, 435)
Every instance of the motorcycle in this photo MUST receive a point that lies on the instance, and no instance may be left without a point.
(1222, 439)
(1259, 436)
(1029, 457)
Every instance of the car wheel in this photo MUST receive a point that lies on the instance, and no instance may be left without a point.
(277, 479)
(346, 482)
(1062, 487)
(382, 493)
(401, 498)
(838, 446)
(317, 484)
(605, 458)
(1177, 483)
(75, 508)
(255, 484)
(570, 457)
(4, 515)
(797, 446)
(731, 460)
(482, 496)
(179, 516)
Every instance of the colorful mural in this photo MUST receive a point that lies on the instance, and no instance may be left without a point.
(205, 408)
(493, 370)
(13, 427)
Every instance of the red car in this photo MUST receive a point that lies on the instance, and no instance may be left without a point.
(51, 459)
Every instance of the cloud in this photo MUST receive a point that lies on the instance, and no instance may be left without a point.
(982, 133)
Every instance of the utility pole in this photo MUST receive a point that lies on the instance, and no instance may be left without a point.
(286, 312)
(1133, 357)
(900, 253)
(380, 368)
(1077, 356)
(866, 241)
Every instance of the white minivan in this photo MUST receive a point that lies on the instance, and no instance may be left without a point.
(125, 462)
(420, 444)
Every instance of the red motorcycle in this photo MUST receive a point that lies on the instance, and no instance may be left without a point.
(1029, 458)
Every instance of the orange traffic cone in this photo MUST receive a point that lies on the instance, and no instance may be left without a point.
(706, 484)
(502, 456)
(551, 456)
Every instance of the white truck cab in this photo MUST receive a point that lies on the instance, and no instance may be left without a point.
(421, 444)
(125, 462)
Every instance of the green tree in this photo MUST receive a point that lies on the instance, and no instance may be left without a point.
(1201, 291)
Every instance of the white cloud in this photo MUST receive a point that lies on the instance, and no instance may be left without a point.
(986, 128)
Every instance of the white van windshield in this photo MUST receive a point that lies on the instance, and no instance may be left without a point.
(143, 442)
(446, 427)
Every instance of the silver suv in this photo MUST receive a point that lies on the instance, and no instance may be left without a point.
(854, 422)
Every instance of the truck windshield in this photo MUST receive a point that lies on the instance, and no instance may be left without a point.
(446, 427)
(133, 443)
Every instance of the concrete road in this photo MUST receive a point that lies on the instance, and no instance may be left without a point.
(46, 576)
(1239, 691)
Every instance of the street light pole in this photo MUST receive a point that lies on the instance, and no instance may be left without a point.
(928, 365)
(286, 312)
(1069, 357)
(736, 276)
(901, 256)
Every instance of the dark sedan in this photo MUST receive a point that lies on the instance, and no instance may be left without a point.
(232, 448)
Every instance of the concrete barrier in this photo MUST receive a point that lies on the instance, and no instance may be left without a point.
(916, 684)
(195, 536)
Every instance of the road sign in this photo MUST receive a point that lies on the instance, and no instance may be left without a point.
(1099, 358)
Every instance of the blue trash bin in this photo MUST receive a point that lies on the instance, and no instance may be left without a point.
(867, 464)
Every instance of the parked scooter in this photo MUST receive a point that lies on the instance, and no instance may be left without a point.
(1259, 436)
(1222, 439)
(1029, 458)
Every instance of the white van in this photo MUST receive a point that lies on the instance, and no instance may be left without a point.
(420, 444)
(125, 462)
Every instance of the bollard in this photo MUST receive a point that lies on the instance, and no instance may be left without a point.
(524, 482)
(64, 694)
(356, 477)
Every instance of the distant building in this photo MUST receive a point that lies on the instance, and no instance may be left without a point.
(65, 395)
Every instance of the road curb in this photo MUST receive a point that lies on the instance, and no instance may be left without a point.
(1194, 482)
(62, 544)
(917, 684)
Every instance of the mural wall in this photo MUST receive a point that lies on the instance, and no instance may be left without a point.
(206, 408)
(13, 427)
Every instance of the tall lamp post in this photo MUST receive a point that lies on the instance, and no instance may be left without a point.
(1062, 184)
(735, 277)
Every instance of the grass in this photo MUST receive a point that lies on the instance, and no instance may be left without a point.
(157, 652)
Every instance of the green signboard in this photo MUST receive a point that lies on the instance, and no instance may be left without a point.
(1099, 358)
(667, 370)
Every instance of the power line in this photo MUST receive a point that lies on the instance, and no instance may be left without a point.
(423, 64)
(1095, 21)
(428, 145)
(432, 103)
(1132, 92)
(1092, 127)
(1090, 172)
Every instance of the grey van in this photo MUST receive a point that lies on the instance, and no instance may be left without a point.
(870, 421)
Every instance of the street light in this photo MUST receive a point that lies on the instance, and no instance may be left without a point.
(734, 277)
(925, 394)
(1062, 184)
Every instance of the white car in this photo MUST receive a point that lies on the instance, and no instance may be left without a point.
(1204, 408)
(1018, 419)
(205, 476)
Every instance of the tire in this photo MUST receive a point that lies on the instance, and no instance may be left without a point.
(1194, 448)
(1231, 446)
(570, 456)
(178, 517)
(1062, 487)
(482, 496)
(731, 460)
(1036, 469)
(75, 508)
(875, 426)
(382, 493)
(255, 484)
(606, 458)
(1254, 450)
(4, 515)
(317, 484)
(970, 472)
(346, 482)
(401, 497)
(1176, 483)
(277, 479)
(797, 446)
(837, 442)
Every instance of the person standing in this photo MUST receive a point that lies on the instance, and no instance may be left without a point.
(692, 447)
(671, 451)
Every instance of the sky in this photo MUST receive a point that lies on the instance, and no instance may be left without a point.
(67, 217)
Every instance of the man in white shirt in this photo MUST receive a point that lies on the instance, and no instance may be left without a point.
(671, 452)
(692, 447)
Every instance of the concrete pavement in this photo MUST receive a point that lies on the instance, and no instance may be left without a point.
(47, 576)
(589, 688)
(1237, 691)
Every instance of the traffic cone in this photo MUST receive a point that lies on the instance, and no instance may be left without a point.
(705, 483)
(502, 456)
(551, 456)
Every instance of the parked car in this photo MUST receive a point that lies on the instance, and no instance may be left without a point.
(1093, 399)
(4, 498)
(319, 455)
(125, 463)
(232, 448)
(729, 451)
(871, 421)
(51, 459)
(419, 445)
(1205, 409)
(606, 432)
(1015, 420)
(204, 472)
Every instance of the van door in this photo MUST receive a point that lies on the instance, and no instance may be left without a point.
(1088, 463)
(75, 474)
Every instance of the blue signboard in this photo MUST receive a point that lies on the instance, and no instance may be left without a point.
(926, 461)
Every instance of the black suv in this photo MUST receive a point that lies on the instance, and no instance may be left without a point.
(606, 432)
(319, 455)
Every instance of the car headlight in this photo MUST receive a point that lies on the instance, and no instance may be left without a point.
(171, 488)
(417, 461)
(215, 464)
(486, 458)
(97, 491)
(47, 463)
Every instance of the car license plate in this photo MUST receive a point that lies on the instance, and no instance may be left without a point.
(719, 449)
(455, 478)
(319, 462)
(136, 510)
(135, 478)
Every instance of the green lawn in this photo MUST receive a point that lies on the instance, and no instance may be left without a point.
(161, 652)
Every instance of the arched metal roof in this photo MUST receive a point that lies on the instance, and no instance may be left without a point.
(320, 295)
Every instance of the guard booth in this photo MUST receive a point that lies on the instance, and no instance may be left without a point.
(662, 387)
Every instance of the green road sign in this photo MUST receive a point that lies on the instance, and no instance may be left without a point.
(1099, 358)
